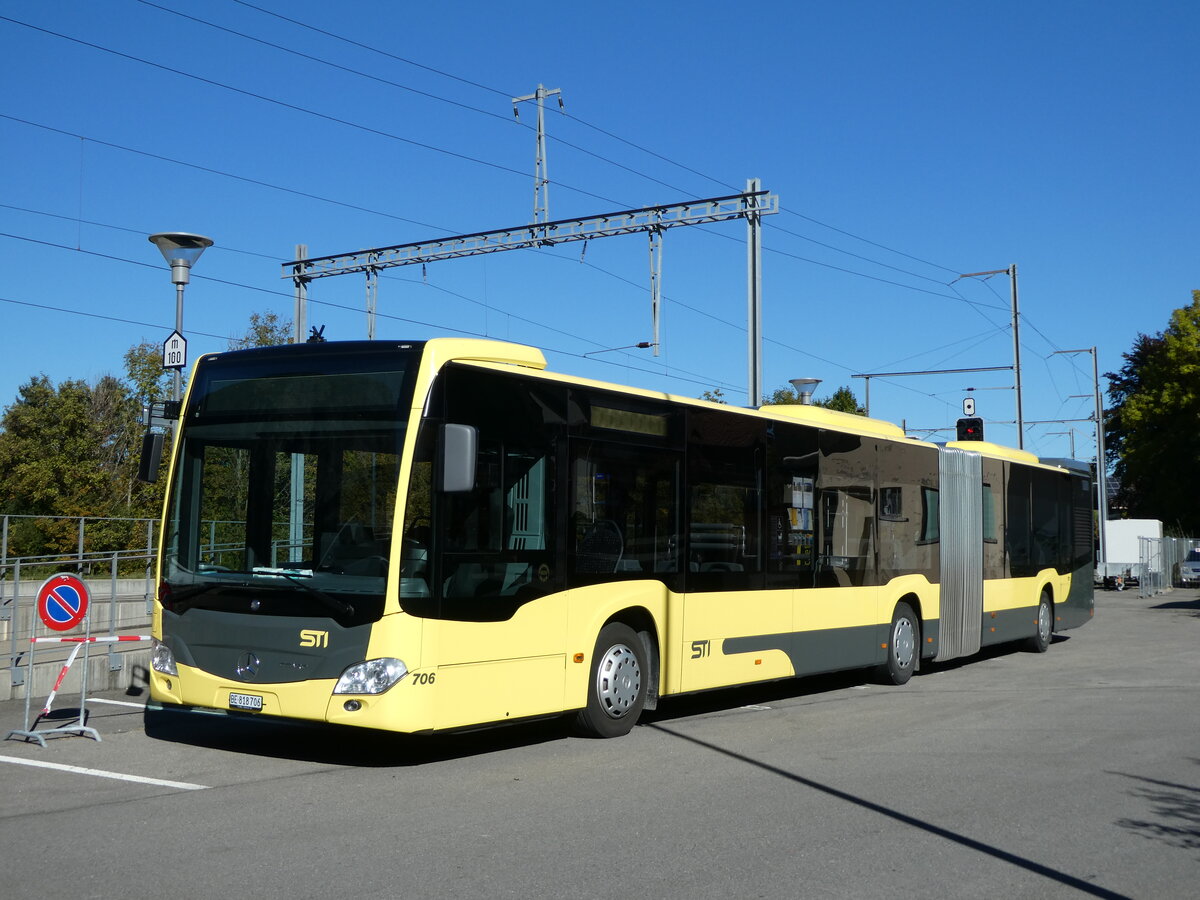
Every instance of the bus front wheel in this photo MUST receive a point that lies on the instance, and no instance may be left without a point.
(617, 685)
(903, 646)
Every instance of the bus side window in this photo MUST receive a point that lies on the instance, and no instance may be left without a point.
(725, 467)
(993, 520)
(908, 525)
(495, 545)
(624, 512)
(1019, 536)
(791, 505)
(846, 487)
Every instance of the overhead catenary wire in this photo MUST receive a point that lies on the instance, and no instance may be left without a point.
(93, 315)
(485, 162)
(566, 143)
(382, 133)
(389, 215)
(669, 372)
(575, 117)
(288, 297)
(282, 295)
(444, 328)
(378, 132)
(506, 119)
(212, 171)
(282, 188)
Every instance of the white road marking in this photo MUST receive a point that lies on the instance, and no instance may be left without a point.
(117, 702)
(100, 773)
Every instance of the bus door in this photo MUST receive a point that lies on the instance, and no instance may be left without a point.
(736, 628)
(838, 620)
(495, 579)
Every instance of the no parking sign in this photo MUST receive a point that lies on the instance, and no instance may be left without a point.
(62, 602)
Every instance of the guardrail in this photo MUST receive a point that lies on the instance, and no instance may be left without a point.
(10, 526)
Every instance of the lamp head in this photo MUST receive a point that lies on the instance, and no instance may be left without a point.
(804, 389)
(180, 250)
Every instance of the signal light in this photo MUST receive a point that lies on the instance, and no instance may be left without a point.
(970, 429)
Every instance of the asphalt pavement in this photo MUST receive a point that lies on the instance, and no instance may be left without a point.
(1074, 773)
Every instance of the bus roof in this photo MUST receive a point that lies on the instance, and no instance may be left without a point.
(998, 451)
(499, 355)
(504, 355)
(440, 351)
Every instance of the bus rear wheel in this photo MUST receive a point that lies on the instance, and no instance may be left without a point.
(903, 646)
(617, 688)
(1040, 642)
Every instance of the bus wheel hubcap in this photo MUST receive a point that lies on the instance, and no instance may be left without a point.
(618, 681)
(903, 643)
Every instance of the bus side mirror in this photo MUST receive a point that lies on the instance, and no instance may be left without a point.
(458, 443)
(152, 447)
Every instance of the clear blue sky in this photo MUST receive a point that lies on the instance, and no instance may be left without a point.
(908, 143)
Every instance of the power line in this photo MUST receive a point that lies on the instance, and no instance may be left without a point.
(281, 294)
(301, 109)
(587, 124)
(281, 188)
(666, 373)
(896, 362)
(352, 124)
(127, 230)
(444, 328)
(326, 62)
(257, 182)
(872, 243)
(909, 287)
(508, 120)
(362, 46)
(92, 315)
(402, 218)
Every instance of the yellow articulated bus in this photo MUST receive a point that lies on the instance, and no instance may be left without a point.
(432, 536)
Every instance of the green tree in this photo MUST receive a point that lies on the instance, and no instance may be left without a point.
(1153, 428)
(842, 400)
(69, 450)
(144, 372)
(265, 330)
(783, 396)
(73, 449)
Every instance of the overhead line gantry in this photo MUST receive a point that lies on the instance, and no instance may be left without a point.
(750, 205)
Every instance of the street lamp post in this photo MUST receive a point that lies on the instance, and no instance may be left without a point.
(180, 250)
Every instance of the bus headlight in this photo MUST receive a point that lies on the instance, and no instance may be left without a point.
(162, 659)
(371, 677)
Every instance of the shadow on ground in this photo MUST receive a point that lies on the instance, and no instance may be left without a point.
(1174, 812)
(339, 745)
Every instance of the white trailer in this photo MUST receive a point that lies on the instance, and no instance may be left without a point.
(1123, 559)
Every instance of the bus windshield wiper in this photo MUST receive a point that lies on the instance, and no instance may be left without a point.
(295, 576)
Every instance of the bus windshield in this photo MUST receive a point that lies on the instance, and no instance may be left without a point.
(285, 483)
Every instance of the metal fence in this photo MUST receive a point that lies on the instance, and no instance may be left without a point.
(1159, 560)
(25, 536)
(118, 604)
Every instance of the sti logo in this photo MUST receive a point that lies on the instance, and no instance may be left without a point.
(309, 638)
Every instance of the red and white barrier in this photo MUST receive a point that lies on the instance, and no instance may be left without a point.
(78, 642)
